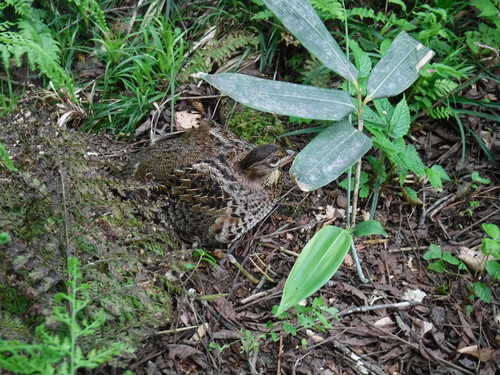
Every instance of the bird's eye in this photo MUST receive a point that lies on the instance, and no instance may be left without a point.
(274, 161)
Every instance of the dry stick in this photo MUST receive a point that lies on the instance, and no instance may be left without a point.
(361, 309)
(280, 356)
(474, 224)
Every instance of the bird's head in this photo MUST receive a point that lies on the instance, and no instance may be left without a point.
(264, 164)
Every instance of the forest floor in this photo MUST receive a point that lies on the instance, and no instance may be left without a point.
(436, 335)
(448, 331)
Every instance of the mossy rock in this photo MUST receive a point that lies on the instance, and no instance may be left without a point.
(61, 202)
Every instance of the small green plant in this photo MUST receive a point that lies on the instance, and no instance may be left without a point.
(250, 343)
(203, 256)
(490, 247)
(214, 346)
(60, 352)
(5, 159)
(440, 259)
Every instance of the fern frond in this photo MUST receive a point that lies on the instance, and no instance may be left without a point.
(331, 9)
(34, 41)
(440, 112)
(444, 86)
(205, 59)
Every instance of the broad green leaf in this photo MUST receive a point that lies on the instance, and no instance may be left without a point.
(434, 252)
(328, 155)
(285, 98)
(437, 266)
(493, 269)
(4, 238)
(369, 227)
(492, 230)
(399, 67)
(318, 261)
(299, 17)
(448, 257)
(400, 120)
(5, 159)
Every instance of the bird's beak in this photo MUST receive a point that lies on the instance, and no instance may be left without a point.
(289, 158)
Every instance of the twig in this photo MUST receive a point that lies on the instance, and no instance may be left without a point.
(474, 224)
(233, 260)
(362, 309)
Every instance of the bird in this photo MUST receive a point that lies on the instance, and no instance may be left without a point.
(215, 186)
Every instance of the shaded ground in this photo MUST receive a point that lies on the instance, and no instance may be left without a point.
(435, 336)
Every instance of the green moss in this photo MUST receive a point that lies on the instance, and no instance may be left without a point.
(255, 126)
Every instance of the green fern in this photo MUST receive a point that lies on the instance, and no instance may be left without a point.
(29, 37)
(329, 9)
(90, 10)
(441, 112)
(205, 59)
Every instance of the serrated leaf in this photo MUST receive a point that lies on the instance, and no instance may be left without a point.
(483, 292)
(384, 109)
(400, 120)
(369, 227)
(411, 196)
(318, 261)
(299, 17)
(328, 155)
(363, 61)
(284, 98)
(399, 67)
(436, 174)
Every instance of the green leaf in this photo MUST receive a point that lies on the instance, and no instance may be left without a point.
(408, 159)
(483, 292)
(437, 266)
(449, 258)
(477, 178)
(369, 227)
(299, 17)
(436, 174)
(493, 269)
(399, 67)
(318, 261)
(285, 98)
(328, 155)
(411, 196)
(4, 238)
(363, 61)
(434, 252)
(5, 159)
(492, 230)
(400, 120)
(288, 328)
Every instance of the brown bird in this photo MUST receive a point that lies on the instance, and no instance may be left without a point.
(216, 186)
